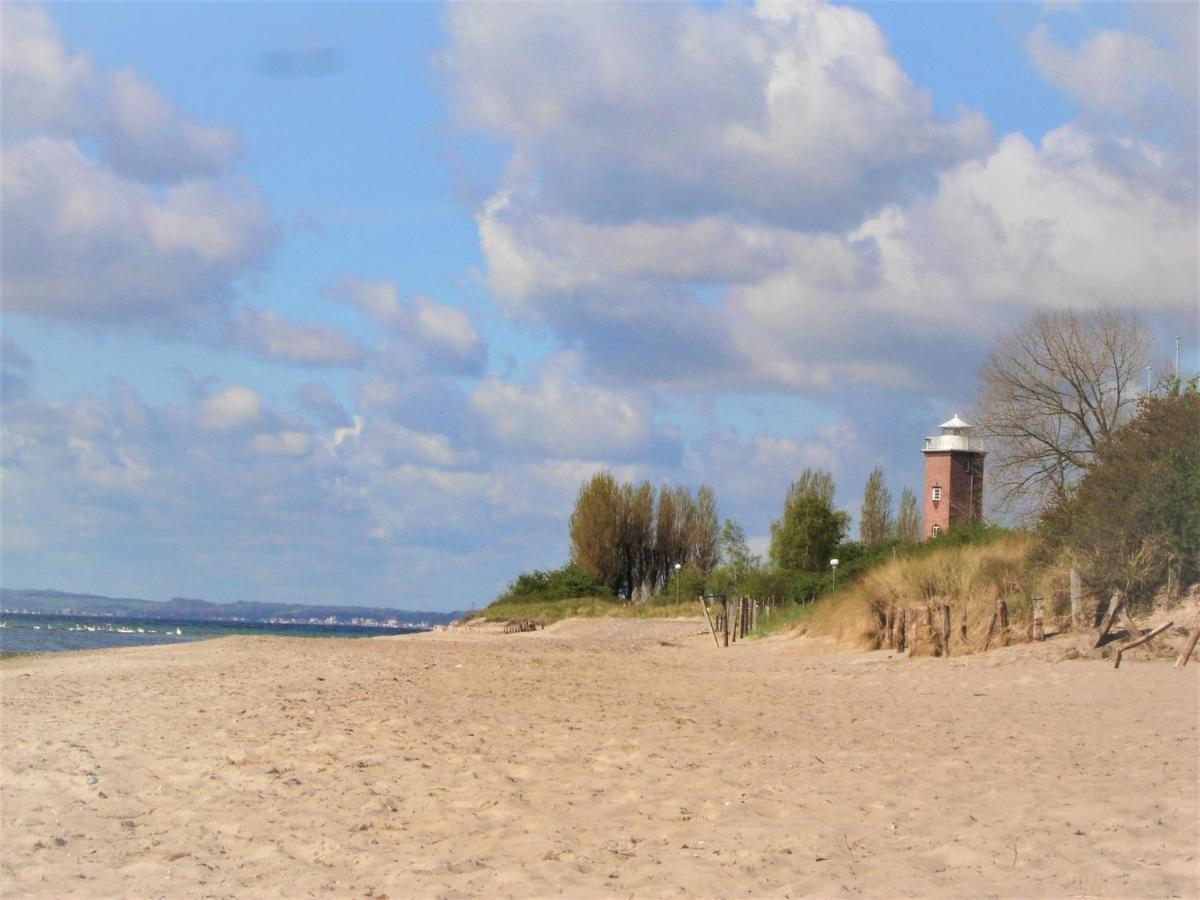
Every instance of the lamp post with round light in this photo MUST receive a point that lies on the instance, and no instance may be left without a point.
(833, 564)
(678, 566)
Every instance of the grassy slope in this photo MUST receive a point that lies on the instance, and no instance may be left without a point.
(547, 611)
(969, 578)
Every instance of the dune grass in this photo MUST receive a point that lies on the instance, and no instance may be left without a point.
(548, 611)
(966, 578)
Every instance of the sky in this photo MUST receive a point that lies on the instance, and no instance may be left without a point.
(341, 303)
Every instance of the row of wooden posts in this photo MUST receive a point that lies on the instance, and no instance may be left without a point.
(518, 626)
(911, 628)
(736, 617)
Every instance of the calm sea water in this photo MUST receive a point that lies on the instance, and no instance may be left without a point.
(24, 633)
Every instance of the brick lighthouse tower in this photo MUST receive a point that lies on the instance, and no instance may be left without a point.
(953, 478)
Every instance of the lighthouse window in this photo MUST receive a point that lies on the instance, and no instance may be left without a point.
(937, 492)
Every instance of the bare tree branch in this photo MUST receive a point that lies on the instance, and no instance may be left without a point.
(1051, 392)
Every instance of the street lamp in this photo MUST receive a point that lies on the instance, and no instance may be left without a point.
(833, 563)
(678, 566)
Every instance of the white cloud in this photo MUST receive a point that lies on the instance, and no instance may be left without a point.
(1111, 72)
(791, 113)
(43, 86)
(430, 335)
(264, 334)
(82, 242)
(233, 407)
(282, 443)
(557, 417)
(49, 90)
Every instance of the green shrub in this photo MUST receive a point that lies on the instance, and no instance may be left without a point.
(558, 584)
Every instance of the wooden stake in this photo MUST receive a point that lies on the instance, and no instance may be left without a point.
(1114, 605)
(725, 616)
(991, 627)
(945, 613)
(708, 618)
(1186, 653)
(1076, 600)
(900, 630)
(1039, 620)
(1153, 633)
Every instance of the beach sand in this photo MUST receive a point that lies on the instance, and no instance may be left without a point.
(617, 758)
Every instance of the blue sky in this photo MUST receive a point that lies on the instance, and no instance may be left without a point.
(341, 303)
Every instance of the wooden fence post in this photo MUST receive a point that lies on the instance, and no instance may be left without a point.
(725, 617)
(1076, 599)
(944, 610)
(1038, 629)
(901, 633)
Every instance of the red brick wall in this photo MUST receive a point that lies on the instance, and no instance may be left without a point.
(937, 472)
(962, 490)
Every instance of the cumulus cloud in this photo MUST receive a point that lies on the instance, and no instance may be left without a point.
(46, 89)
(233, 407)
(80, 241)
(558, 417)
(427, 334)
(723, 291)
(1110, 72)
(791, 113)
(264, 334)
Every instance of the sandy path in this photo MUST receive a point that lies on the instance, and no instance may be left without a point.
(616, 758)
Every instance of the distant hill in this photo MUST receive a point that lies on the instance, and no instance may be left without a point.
(60, 603)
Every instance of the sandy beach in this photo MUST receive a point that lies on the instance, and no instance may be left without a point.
(597, 758)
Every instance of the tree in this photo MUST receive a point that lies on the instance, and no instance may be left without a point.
(630, 542)
(595, 528)
(908, 521)
(875, 522)
(735, 554)
(803, 538)
(1136, 510)
(705, 530)
(667, 551)
(637, 538)
(1051, 393)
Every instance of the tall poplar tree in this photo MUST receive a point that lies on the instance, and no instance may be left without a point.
(875, 520)
(908, 521)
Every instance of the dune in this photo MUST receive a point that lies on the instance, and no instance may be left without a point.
(595, 758)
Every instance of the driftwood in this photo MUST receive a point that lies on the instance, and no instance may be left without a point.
(1186, 653)
(1153, 633)
(708, 618)
(1114, 606)
(1130, 625)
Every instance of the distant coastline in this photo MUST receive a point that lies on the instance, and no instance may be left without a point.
(38, 601)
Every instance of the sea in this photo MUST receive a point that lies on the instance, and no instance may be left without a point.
(35, 633)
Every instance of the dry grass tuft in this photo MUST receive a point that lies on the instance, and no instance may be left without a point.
(968, 579)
